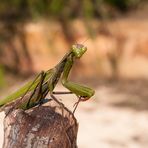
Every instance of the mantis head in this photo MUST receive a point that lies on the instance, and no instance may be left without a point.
(78, 50)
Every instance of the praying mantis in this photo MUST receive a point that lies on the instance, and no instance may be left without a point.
(34, 92)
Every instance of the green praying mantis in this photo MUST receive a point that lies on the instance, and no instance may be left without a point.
(34, 92)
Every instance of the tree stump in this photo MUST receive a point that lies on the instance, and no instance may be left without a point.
(41, 127)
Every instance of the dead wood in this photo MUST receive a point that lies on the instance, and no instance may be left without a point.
(40, 127)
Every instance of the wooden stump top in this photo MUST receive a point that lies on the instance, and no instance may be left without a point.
(41, 127)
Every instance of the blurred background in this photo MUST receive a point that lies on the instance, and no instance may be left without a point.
(35, 35)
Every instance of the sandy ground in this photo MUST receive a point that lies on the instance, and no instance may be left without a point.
(116, 117)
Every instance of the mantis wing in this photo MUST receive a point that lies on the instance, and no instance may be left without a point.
(31, 85)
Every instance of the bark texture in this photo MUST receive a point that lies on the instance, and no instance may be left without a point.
(49, 126)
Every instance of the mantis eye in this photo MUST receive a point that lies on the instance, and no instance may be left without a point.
(78, 50)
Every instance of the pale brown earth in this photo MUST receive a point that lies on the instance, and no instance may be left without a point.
(119, 46)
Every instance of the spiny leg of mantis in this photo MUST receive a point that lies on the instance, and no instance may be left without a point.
(63, 93)
(58, 102)
(61, 104)
(79, 90)
(76, 104)
(80, 99)
(69, 92)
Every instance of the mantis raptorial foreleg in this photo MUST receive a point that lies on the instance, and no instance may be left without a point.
(79, 90)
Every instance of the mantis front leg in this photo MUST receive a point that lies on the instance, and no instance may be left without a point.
(79, 90)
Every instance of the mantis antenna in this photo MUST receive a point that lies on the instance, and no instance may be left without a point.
(85, 40)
